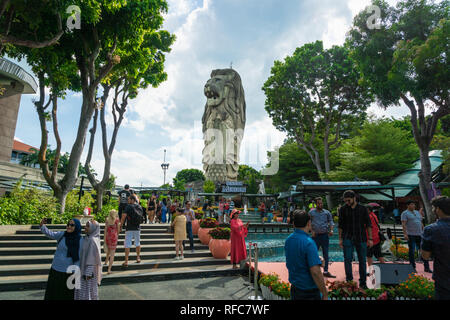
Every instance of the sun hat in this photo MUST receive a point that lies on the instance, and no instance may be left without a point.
(235, 211)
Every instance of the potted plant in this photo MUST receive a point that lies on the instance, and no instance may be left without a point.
(205, 226)
(196, 222)
(281, 290)
(220, 244)
(415, 287)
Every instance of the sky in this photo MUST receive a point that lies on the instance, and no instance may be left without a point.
(211, 34)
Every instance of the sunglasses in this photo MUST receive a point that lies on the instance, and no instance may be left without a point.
(71, 224)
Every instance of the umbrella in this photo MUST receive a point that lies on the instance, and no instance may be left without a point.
(373, 204)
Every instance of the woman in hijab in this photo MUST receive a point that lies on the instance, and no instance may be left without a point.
(238, 233)
(90, 263)
(67, 255)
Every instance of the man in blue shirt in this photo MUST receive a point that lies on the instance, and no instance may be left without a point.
(303, 262)
(412, 231)
(322, 228)
(436, 244)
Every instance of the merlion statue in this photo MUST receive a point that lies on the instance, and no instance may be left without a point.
(223, 125)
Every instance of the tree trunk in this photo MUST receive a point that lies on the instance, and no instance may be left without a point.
(61, 196)
(99, 190)
(425, 181)
(326, 159)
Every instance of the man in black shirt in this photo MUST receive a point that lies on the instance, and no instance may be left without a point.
(353, 223)
(123, 199)
(132, 228)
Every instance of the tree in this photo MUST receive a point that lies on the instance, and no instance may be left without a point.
(209, 186)
(407, 60)
(250, 177)
(294, 164)
(178, 184)
(36, 28)
(380, 152)
(141, 64)
(81, 61)
(189, 175)
(311, 94)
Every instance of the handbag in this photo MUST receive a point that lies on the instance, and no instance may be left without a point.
(380, 234)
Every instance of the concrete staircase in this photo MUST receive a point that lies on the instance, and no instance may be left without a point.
(26, 257)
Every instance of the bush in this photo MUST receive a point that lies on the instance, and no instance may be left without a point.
(268, 279)
(27, 206)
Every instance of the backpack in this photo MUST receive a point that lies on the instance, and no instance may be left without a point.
(138, 215)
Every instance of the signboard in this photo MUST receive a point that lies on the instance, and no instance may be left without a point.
(234, 187)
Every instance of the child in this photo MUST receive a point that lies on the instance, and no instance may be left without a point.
(180, 234)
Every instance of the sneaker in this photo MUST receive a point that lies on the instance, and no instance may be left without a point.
(328, 275)
(192, 250)
(177, 258)
(182, 257)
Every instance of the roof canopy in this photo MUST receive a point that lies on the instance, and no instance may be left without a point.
(13, 71)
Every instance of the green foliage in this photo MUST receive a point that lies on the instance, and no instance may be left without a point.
(208, 223)
(189, 175)
(179, 184)
(380, 151)
(209, 187)
(27, 206)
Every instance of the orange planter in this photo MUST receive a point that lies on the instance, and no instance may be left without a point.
(195, 226)
(203, 235)
(220, 248)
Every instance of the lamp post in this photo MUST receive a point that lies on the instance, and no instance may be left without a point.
(164, 166)
(81, 186)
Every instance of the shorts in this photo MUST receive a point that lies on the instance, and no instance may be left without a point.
(130, 235)
(374, 251)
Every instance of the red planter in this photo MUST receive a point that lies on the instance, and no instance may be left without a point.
(203, 235)
(195, 226)
(220, 248)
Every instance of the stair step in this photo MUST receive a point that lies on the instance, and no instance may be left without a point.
(120, 248)
(40, 236)
(39, 282)
(47, 259)
(52, 243)
(43, 269)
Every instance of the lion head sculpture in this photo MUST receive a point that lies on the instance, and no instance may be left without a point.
(224, 113)
(225, 98)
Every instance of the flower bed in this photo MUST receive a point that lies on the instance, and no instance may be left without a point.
(272, 288)
(414, 288)
(208, 223)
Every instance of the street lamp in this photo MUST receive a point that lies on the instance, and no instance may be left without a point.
(81, 186)
(164, 166)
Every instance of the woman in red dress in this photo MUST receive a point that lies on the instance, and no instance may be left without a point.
(111, 237)
(238, 233)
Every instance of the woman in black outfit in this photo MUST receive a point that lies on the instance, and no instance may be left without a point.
(151, 209)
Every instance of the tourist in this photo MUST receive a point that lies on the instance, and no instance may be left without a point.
(220, 210)
(90, 263)
(179, 232)
(205, 208)
(151, 207)
(262, 210)
(169, 204)
(164, 211)
(238, 233)
(396, 215)
(353, 221)
(172, 210)
(436, 245)
(158, 211)
(67, 254)
(381, 214)
(322, 228)
(133, 215)
(375, 250)
(285, 212)
(303, 261)
(226, 208)
(190, 216)
(412, 231)
(111, 238)
(123, 199)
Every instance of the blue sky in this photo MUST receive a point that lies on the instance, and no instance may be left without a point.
(211, 34)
